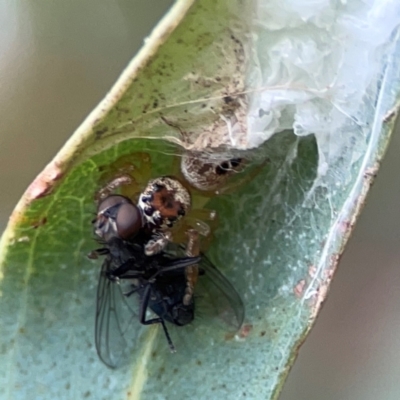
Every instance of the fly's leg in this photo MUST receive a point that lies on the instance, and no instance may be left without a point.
(130, 293)
(121, 272)
(144, 304)
(94, 254)
(192, 271)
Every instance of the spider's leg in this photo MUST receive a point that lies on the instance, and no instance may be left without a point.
(144, 304)
(157, 243)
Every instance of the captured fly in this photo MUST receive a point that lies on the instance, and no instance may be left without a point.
(169, 283)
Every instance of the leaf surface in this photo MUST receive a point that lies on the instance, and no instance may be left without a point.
(279, 236)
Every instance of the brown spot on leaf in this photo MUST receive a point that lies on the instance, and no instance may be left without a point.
(371, 172)
(322, 290)
(245, 330)
(345, 226)
(318, 298)
(312, 270)
(39, 223)
(100, 132)
(389, 116)
(299, 288)
(45, 182)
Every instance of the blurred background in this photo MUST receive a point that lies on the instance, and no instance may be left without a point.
(57, 61)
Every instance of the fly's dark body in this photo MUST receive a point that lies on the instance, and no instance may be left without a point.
(158, 280)
(131, 283)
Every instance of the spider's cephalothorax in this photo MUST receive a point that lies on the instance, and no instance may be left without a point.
(164, 201)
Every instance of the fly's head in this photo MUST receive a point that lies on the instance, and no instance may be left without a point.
(117, 217)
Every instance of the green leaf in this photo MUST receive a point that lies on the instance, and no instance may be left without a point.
(279, 236)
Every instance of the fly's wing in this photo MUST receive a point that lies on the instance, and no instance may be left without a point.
(117, 324)
(216, 297)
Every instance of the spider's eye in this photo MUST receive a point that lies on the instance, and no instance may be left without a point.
(128, 220)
